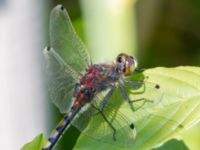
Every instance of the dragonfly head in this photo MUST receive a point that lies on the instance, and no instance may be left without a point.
(126, 64)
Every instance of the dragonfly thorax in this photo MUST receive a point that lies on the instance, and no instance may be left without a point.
(100, 76)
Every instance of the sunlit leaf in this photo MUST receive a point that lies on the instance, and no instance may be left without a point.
(35, 144)
(175, 107)
(173, 144)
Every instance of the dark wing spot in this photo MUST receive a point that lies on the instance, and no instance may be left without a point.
(62, 7)
(48, 48)
(180, 126)
(132, 126)
(157, 86)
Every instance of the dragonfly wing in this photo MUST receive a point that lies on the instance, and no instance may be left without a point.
(61, 79)
(153, 119)
(92, 123)
(65, 41)
(66, 60)
(123, 118)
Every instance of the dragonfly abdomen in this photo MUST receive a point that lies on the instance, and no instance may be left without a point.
(61, 127)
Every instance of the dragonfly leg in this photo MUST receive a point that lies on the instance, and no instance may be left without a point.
(107, 121)
(140, 83)
(134, 83)
(124, 94)
(107, 97)
(111, 126)
(140, 69)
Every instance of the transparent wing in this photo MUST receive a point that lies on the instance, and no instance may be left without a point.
(121, 115)
(66, 59)
(153, 119)
(65, 41)
(61, 79)
(94, 125)
(155, 126)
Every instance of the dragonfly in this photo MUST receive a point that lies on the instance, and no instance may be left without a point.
(76, 86)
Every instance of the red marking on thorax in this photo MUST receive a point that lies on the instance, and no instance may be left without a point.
(87, 79)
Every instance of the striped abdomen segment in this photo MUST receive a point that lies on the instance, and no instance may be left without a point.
(58, 131)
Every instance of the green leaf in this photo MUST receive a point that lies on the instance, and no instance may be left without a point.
(173, 144)
(175, 107)
(35, 144)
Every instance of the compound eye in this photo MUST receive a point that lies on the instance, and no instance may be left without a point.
(119, 59)
(131, 57)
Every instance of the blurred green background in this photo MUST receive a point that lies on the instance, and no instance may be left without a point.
(157, 32)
